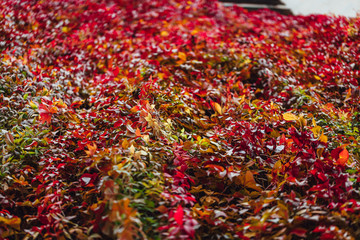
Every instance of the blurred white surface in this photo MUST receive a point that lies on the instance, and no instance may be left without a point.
(347, 8)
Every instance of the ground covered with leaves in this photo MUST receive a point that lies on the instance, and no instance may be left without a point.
(177, 119)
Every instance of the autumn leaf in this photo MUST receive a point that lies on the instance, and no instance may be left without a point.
(13, 222)
(46, 113)
(316, 131)
(135, 109)
(182, 56)
(323, 138)
(300, 232)
(132, 150)
(217, 167)
(9, 139)
(247, 180)
(164, 33)
(146, 138)
(340, 155)
(137, 132)
(92, 149)
(179, 215)
(218, 108)
(343, 157)
(33, 105)
(290, 117)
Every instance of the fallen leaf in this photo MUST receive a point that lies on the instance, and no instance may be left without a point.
(218, 108)
(290, 117)
(92, 149)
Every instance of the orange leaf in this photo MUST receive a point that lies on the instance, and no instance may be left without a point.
(217, 167)
(323, 138)
(343, 157)
(53, 109)
(137, 132)
(92, 149)
(134, 109)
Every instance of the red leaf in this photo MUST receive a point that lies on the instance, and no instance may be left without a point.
(179, 214)
(340, 155)
(300, 232)
(45, 113)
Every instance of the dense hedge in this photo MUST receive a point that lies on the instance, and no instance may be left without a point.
(177, 120)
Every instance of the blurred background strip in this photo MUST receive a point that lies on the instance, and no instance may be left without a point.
(276, 5)
(348, 8)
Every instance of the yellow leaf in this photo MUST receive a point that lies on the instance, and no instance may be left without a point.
(316, 130)
(65, 29)
(317, 77)
(11, 222)
(125, 144)
(218, 108)
(161, 75)
(72, 117)
(53, 109)
(132, 149)
(33, 105)
(290, 117)
(314, 122)
(182, 56)
(302, 120)
(274, 134)
(242, 99)
(278, 166)
(194, 32)
(146, 138)
(164, 34)
(209, 150)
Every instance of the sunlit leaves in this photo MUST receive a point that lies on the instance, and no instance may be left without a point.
(9, 226)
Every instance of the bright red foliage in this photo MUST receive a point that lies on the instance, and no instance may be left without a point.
(177, 120)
